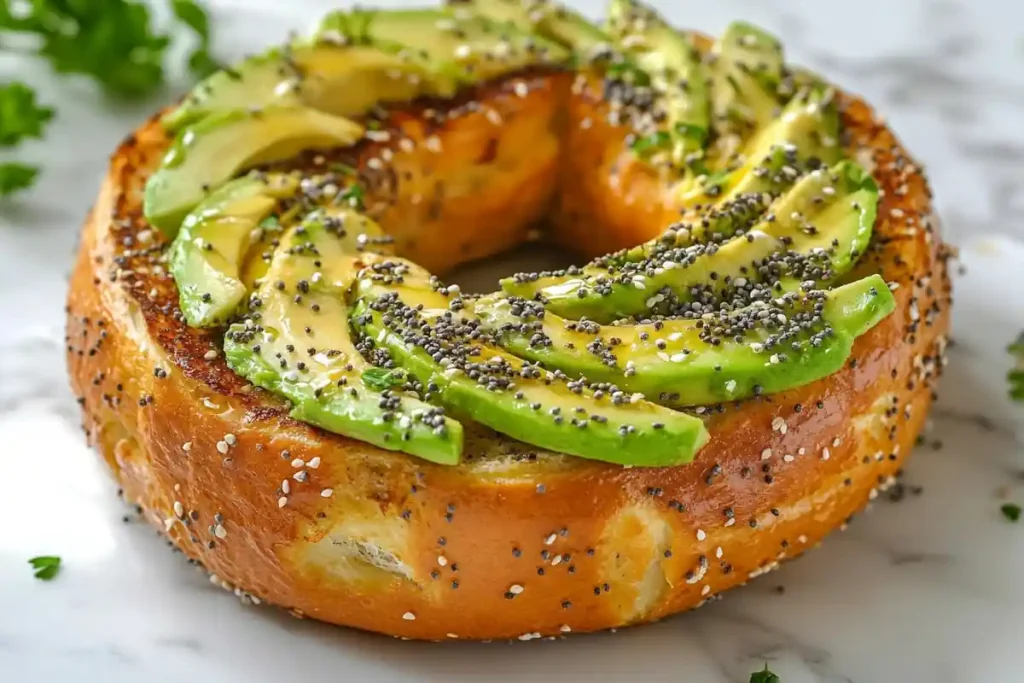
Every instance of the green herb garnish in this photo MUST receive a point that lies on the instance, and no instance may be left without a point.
(15, 177)
(20, 116)
(381, 378)
(654, 142)
(354, 195)
(200, 63)
(45, 566)
(1017, 372)
(270, 223)
(113, 42)
(345, 169)
(1011, 511)
(764, 676)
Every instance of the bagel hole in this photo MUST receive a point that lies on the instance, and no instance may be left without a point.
(482, 276)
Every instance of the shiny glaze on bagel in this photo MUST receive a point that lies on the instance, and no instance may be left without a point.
(513, 543)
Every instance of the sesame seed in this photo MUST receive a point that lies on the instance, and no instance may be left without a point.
(314, 463)
(515, 589)
(230, 439)
(220, 532)
(701, 535)
(222, 447)
(187, 446)
(766, 454)
(179, 509)
(326, 493)
(286, 486)
(210, 355)
(298, 462)
(442, 560)
(550, 539)
(409, 616)
(282, 501)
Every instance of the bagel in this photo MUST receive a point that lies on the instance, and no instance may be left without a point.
(515, 541)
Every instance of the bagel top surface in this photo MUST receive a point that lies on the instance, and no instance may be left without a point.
(278, 253)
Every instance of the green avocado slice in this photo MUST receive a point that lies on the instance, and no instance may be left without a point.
(546, 18)
(677, 75)
(210, 152)
(206, 257)
(417, 323)
(746, 74)
(297, 344)
(467, 48)
(337, 79)
(764, 348)
(805, 136)
(815, 231)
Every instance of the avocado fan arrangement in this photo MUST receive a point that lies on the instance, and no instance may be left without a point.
(750, 293)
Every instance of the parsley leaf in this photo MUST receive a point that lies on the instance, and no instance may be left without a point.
(381, 378)
(354, 195)
(192, 15)
(114, 42)
(1017, 372)
(1011, 511)
(654, 142)
(764, 676)
(270, 223)
(45, 566)
(20, 116)
(15, 177)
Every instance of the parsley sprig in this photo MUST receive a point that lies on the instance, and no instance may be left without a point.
(1017, 372)
(381, 378)
(113, 42)
(45, 566)
(764, 676)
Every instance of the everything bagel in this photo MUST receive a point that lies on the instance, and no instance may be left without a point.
(745, 363)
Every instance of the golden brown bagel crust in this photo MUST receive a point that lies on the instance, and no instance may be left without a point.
(513, 543)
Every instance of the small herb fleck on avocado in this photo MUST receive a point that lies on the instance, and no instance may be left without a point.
(380, 379)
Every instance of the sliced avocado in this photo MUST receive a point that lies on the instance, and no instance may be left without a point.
(815, 231)
(418, 324)
(212, 151)
(677, 73)
(746, 72)
(207, 255)
(766, 347)
(469, 49)
(324, 75)
(296, 343)
(805, 136)
(547, 18)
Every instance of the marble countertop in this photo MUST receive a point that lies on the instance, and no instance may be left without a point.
(924, 589)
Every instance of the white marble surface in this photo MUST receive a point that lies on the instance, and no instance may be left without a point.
(925, 590)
